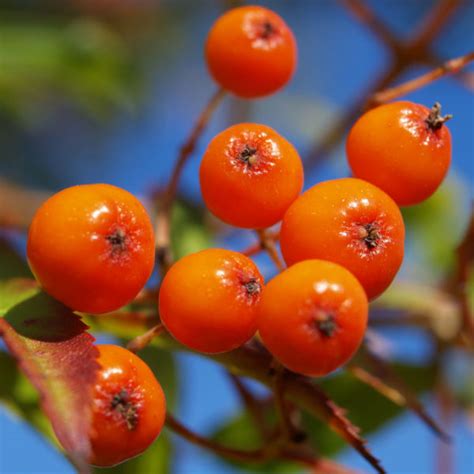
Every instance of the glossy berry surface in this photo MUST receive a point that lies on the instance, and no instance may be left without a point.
(313, 317)
(250, 175)
(208, 300)
(251, 52)
(128, 410)
(92, 247)
(351, 222)
(404, 148)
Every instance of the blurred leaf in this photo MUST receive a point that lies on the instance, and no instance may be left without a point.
(379, 375)
(367, 408)
(82, 59)
(11, 264)
(155, 460)
(19, 396)
(241, 433)
(57, 355)
(436, 226)
(188, 229)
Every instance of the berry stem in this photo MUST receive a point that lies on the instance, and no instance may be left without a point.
(140, 342)
(163, 217)
(435, 120)
(267, 243)
(256, 248)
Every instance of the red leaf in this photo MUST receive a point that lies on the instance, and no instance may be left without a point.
(57, 354)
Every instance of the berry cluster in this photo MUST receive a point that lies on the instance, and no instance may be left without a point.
(92, 247)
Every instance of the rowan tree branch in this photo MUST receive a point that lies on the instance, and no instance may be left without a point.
(449, 67)
(165, 201)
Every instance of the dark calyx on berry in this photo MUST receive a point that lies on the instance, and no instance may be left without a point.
(122, 404)
(325, 323)
(268, 30)
(435, 120)
(252, 287)
(369, 234)
(118, 240)
(248, 155)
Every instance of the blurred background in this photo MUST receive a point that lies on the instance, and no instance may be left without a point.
(107, 91)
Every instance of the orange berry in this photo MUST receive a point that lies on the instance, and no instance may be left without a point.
(403, 148)
(350, 222)
(92, 247)
(313, 316)
(251, 52)
(250, 175)
(208, 300)
(128, 409)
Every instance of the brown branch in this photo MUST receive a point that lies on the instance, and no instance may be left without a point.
(285, 425)
(165, 204)
(254, 406)
(267, 243)
(319, 152)
(257, 456)
(262, 455)
(432, 24)
(367, 17)
(379, 375)
(449, 67)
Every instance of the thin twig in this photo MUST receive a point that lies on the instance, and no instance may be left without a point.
(259, 456)
(432, 24)
(405, 54)
(256, 248)
(267, 243)
(255, 407)
(165, 204)
(367, 17)
(449, 67)
(140, 342)
(286, 430)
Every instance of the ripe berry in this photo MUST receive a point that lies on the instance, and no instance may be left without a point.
(402, 147)
(250, 175)
(128, 408)
(208, 300)
(92, 247)
(350, 222)
(251, 52)
(313, 316)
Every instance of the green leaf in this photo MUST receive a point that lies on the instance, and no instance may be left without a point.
(436, 226)
(11, 264)
(241, 433)
(156, 459)
(82, 59)
(57, 355)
